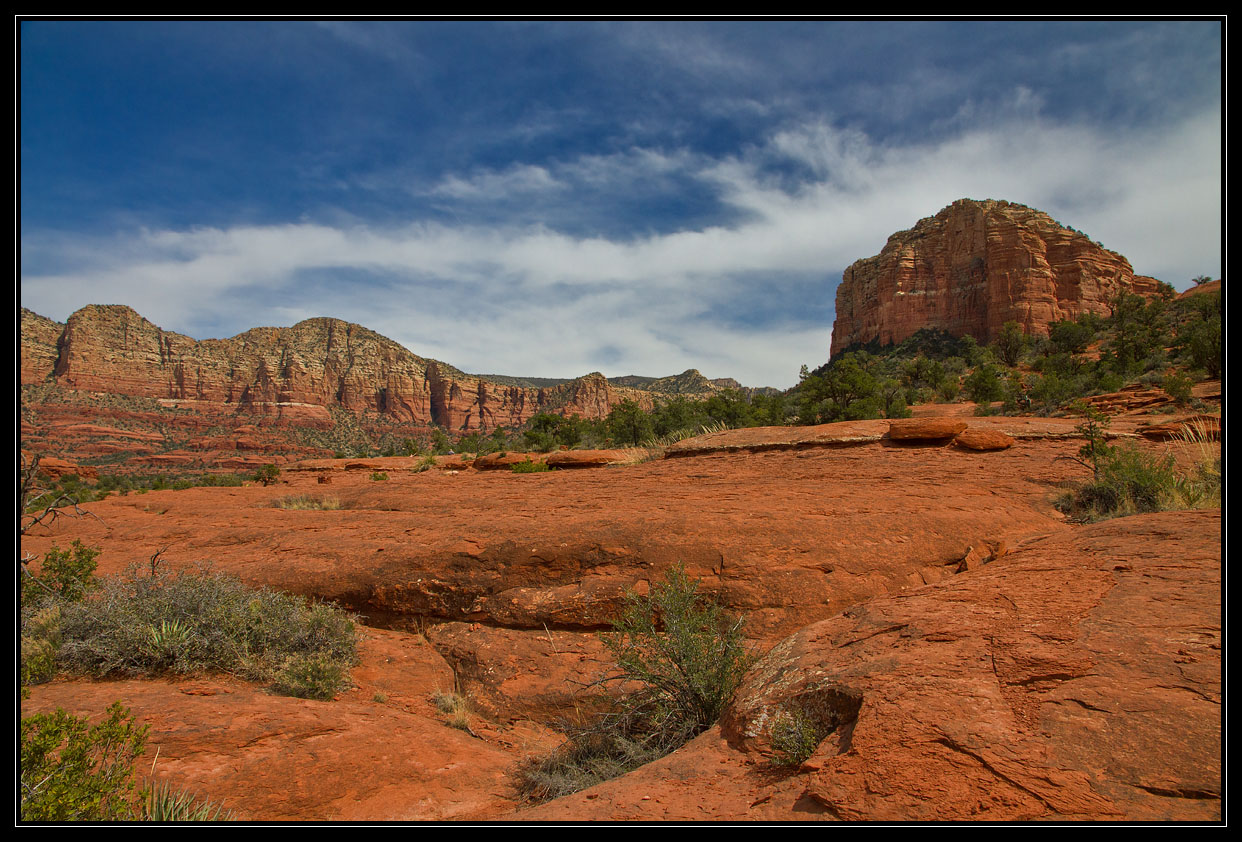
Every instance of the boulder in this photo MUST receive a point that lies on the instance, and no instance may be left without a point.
(586, 458)
(974, 438)
(924, 429)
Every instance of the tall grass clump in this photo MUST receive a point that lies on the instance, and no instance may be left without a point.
(306, 502)
(680, 657)
(200, 621)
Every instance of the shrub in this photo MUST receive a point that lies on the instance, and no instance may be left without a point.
(686, 651)
(267, 474)
(40, 638)
(457, 706)
(687, 657)
(72, 771)
(427, 463)
(1011, 344)
(530, 467)
(196, 621)
(66, 574)
(795, 736)
(1129, 481)
(984, 384)
(318, 676)
(1178, 387)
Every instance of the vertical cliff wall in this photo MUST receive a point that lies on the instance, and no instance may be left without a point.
(294, 373)
(971, 268)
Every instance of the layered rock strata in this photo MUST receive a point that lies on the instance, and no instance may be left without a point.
(296, 374)
(971, 268)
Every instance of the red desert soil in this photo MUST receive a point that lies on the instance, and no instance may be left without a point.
(507, 576)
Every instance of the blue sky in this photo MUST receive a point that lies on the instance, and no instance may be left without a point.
(552, 198)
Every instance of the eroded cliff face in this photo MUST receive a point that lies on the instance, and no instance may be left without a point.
(971, 268)
(296, 373)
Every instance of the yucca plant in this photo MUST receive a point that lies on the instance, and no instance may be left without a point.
(165, 804)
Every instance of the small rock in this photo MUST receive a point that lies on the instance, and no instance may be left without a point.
(974, 438)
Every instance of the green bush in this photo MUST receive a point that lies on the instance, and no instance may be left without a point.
(65, 574)
(317, 676)
(1129, 481)
(425, 464)
(72, 771)
(267, 474)
(687, 657)
(40, 638)
(795, 736)
(530, 467)
(1178, 387)
(985, 384)
(687, 652)
(200, 621)
(378, 476)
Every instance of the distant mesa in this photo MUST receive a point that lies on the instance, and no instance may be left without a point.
(973, 267)
(302, 374)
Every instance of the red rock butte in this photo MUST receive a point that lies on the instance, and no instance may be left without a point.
(299, 374)
(971, 268)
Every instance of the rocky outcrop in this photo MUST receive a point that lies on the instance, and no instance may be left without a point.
(39, 338)
(971, 268)
(296, 374)
(925, 429)
(1077, 678)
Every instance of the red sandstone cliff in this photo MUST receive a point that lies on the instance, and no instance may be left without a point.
(971, 268)
(296, 373)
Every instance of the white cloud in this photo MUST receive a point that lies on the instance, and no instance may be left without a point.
(490, 185)
(540, 302)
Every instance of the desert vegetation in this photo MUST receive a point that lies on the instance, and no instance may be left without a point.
(73, 771)
(679, 659)
(1127, 480)
(1159, 342)
(307, 502)
(72, 487)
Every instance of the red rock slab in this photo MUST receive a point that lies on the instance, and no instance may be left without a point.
(762, 439)
(787, 537)
(975, 438)
(57, 468)
(505, 461)
(924, 429)
(523, 674)
(587, 458)
(1077, 678)
(1207, 427)
(380, 752)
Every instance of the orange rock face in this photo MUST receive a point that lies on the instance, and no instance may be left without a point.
(971, 268)
(925, 429)
(295, 374)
